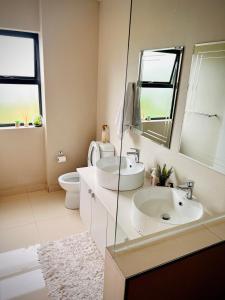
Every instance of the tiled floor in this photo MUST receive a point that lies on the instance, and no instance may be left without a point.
(34, 218)
(26, 220)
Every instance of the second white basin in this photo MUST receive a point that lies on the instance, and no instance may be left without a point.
(161, 207)
(131, 174)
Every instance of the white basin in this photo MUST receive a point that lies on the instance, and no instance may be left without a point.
(131, 173)
(159, 208)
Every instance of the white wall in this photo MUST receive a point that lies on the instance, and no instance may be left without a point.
(113, 39)
(168, 24)
(22, 156)
(70, 33)
(70, 50)
(69, 39)
(20, 15)
(22, 159)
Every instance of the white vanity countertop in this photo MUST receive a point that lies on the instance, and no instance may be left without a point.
(108, 199)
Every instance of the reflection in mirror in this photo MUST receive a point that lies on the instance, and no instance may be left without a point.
(156, 93)
(203, 132)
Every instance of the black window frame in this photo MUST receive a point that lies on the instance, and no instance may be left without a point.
(25, 80)
(158, 84)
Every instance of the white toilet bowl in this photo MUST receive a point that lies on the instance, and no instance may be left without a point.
(70, 182)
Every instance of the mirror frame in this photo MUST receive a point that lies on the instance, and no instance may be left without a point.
(177, 50)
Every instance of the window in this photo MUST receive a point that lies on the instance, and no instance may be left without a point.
(20, 89)
(157, 80)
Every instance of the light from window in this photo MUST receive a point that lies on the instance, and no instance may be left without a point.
(157, 66)
(151, 107)
(16, 56)
(19, 77)
(18, 102)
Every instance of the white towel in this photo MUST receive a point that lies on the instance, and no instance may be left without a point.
(124, 116)
(137, 109)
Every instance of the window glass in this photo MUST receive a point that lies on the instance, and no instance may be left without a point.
(18, 102)
(157, 66)
(16, 56)
(155, 102)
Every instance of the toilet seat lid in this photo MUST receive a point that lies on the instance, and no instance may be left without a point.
(70, 177)
(93, 153)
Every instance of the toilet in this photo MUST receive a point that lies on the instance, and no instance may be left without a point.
(70, 182)
(99, 150)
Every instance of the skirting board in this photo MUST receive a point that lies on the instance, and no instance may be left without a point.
(23, 189)
(54, 187)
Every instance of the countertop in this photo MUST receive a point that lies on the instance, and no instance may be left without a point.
(157, 249)
(162, 251)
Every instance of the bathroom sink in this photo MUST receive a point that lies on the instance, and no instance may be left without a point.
(162, 208)
(131, 173)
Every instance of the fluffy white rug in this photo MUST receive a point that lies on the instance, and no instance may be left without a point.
(73, 268)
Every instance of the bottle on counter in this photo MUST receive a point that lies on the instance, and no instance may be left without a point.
(105, 134)
(154, 178)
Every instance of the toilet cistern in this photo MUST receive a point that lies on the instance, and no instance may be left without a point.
(136, 153)
(187, 186)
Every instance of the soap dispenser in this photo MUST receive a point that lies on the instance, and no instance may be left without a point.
(154, 178)
(105, 134)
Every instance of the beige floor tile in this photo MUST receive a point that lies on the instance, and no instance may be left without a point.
(15, 211)
(13, 197)
(19, 237)
(36, 217)
(60, 227)
(37, 194)
(48, 205)
(44, 194)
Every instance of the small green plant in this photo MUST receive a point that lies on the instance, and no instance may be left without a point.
(163, 174)
(38, 121)
(17, 123)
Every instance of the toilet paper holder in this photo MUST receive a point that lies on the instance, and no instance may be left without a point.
(61, 157)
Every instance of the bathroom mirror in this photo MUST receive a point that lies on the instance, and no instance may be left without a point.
(203, 131)
(157, 87)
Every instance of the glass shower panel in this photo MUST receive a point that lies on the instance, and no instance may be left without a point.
(148, 213)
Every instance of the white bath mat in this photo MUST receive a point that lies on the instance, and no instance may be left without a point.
(73, 268)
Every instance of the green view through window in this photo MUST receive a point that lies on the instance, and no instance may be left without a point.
(20, 90)
(157, 78)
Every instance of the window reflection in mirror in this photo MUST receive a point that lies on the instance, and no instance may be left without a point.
(203, 132)
(157, 91)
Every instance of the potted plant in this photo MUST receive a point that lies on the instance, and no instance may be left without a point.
(37, 121)
(163, 174)
(17, 123)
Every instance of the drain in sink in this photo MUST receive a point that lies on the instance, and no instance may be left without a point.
(165, 217)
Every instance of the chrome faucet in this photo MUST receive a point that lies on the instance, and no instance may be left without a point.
(188, 186)
(136, 153)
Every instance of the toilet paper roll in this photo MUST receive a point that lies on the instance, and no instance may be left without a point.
(61, 159)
